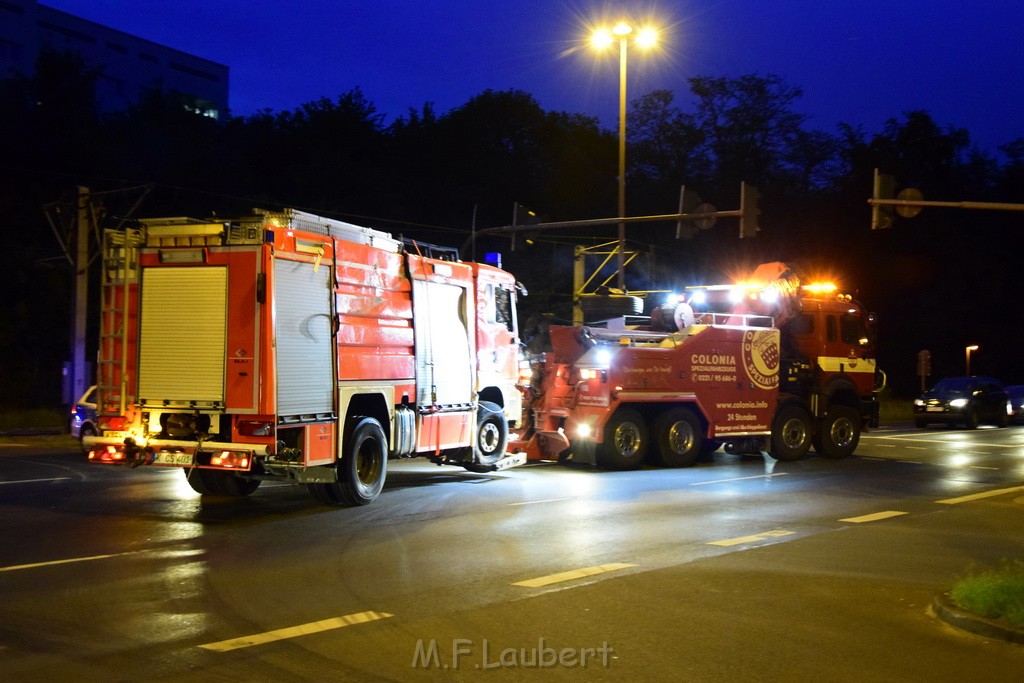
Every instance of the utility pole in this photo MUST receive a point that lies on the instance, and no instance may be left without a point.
(79, 371)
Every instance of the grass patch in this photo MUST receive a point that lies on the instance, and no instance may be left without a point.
(893, 409)
(33, 419)
(994, 593)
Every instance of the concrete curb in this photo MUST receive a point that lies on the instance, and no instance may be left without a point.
(946, 610)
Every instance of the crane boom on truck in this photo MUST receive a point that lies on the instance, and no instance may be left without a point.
(285, 345)
(767, 364)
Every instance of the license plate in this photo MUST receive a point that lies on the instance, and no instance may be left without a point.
(935, 409)
(172, 459)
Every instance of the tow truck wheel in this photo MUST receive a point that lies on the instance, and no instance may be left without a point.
(791, 433)
(625, 441)
(679, 438)
(218, 483)
(491, 433)
(840, 433)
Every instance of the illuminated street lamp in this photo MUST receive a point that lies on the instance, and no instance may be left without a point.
(601, 39)
(972, 347)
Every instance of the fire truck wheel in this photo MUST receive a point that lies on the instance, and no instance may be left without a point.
(679, 438)
(491, 433)
(625, 441)
(362, 470)
(791, 433)
(216, 483)
(840, 433)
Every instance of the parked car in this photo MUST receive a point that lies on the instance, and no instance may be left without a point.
(83, 415)
(967, 400)
(1015, 394)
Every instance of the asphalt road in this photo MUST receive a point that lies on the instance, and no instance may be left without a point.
(735, 569)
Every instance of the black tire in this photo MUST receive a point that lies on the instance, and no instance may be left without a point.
(625, 441)
(791, 433)
(201, 482)
(679, 438)
(920, 422)
(1003, 419)
(219, 483)
(491, 437)
(840, 432)
(362, 468)
(604, 307)
(971, 422)
(86, 430)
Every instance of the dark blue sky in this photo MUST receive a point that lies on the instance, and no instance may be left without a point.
(857, 61)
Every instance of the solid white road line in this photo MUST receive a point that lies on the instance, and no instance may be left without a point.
(753, 538)
(572, 574)
(726, 481)
(874, 517)
(979, 496)
(33, 481)
(295, 631)
(51, 563)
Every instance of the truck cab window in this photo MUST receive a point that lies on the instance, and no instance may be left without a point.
(853, 330)
(503, 307)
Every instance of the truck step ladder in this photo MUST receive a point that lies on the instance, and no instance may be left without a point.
(119, 276)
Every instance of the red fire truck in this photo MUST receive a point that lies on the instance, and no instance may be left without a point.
(291, 346)
(766, 365)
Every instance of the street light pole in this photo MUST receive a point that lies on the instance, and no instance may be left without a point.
(967, 350)
(601, 39)
(622, 30)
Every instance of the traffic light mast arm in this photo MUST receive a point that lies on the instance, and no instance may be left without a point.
(994, 206)
(909, 202)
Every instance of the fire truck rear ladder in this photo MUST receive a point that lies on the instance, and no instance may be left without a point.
(120, 271)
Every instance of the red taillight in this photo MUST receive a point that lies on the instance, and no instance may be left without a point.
(107, 454)
(230, 459)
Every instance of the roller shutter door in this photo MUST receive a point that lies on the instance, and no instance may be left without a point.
(305, 345)
(183, 324)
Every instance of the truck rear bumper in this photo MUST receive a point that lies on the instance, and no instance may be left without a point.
(124, 450)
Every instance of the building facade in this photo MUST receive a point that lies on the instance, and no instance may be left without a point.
(129, 65)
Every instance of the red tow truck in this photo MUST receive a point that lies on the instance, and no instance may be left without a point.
(762, 365)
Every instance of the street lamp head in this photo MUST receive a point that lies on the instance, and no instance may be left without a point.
(621, 29)
(604, 37)
(601, 38)
(972, 347)
(647, 37)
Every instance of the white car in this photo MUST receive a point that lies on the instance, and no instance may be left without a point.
(83, 415)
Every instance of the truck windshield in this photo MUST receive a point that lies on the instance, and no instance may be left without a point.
(853, 330)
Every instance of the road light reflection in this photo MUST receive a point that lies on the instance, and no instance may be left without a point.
(960, 460)
(161, 621)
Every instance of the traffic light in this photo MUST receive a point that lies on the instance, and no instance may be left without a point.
(885, 188)
(523, 216)
(749, 210)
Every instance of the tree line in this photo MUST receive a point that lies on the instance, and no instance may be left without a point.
(436, 176)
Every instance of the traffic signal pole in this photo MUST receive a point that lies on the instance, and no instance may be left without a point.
(909, 202)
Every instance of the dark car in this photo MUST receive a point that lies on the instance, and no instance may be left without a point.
(967, 400)
(83, 415)
(1015, 394)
